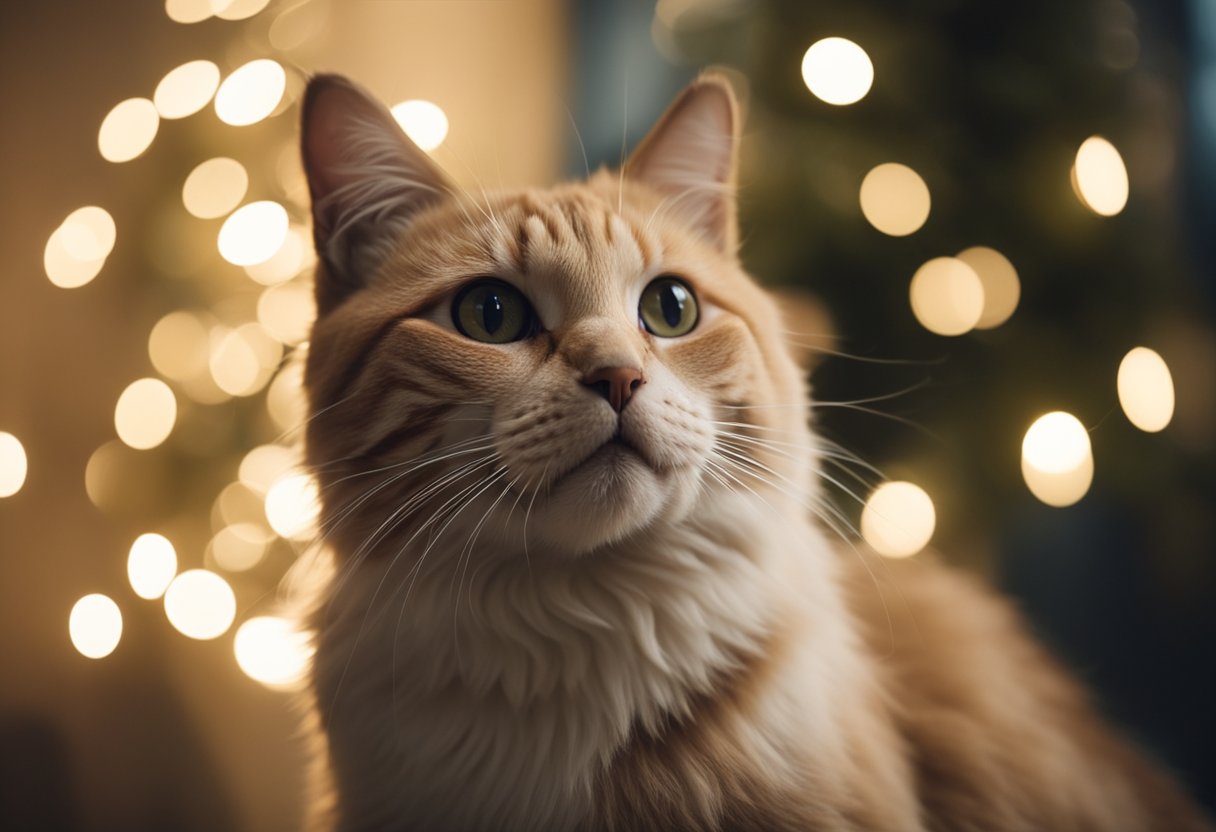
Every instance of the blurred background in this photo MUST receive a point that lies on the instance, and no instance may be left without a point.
(1007, 210)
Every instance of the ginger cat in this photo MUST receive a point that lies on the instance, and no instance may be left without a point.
(569, 500)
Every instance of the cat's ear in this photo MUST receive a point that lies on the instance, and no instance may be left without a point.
(366, 180)
(690, 157)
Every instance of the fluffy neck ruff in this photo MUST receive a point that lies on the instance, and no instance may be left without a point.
(495, 701)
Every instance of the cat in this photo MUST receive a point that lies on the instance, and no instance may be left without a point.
(569, 499)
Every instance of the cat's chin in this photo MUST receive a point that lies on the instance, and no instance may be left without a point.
(607, 497)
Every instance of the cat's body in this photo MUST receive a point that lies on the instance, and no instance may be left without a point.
(579, 583)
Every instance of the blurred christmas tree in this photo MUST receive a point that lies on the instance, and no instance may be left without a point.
(989, 104)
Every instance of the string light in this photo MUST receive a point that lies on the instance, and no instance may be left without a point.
(13, 464)
(95, 626)
(240, 547)
(1146, 389)
(178, 346)
(837, 71)
(999, 280)
(1099, 177)
(151, 565)
(200, 604)
(273, 651)
(285, 400)
(264, 465)
(238, 9)
(188, 11)
(424, 122)
(898, 519)
(186, 89)
(293, 256)
(251, 92)
(1057, 459)
(292, 506)
(77, 250)
(895, 199)
(128, 130)
(253, 233)
(215, 187)
(287, 312)
(145, 413)
(947, 296)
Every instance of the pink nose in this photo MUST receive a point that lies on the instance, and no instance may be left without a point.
(615, 384)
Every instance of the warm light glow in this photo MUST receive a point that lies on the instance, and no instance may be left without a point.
(151, 565)
(200, 604)
(244, 359)
(13, 464)
(999, 280)
(264, 465)
(285, 400)
(237, 503)
(273, 651)
(238, 9)
(240, 546)
(425, 123)
(1146, 389)
(178, 346)
(187, 89)
(292, 506)
(215, 187)
(251, 92)
(253, 233)
(895, 199)
(297, 25)
(293, 256)
(95, 626)
(287, 312)
(947, 296)
(837, 71)
(76, 250)
(188, 11)
(128, 130)
(1100, 177)
(898, 519)
(145, 413)
(1057, 459)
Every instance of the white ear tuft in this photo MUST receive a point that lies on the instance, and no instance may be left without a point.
(366, 179)
(689, 156)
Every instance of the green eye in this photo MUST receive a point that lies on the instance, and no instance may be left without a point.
(668, 307)
(492, 311)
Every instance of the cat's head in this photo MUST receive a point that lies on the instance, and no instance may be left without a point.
(565, 368)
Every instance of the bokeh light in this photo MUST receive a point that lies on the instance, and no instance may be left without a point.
(238, 9)
(236, 503)
(1146, 389)
(1057, 459)
(293, 257)
(285, 400)
(947, 296)
(240, 547)
(253, 233)
(215, 187)
(186, 89)
(77, 250)
(266, 464)
(128, 130)
(898, 519)
(895, 199)
(273, 651)
(145, 413)
(1100, 177)
(200, 604)
(244, 359)
(251, 92)
(188, 11)
(179, 346)
(151, 565)
(999, 280)
(95, 626)
(292, 506)
(13, 464)
(287, 312)
(837, 71)
(425, 123)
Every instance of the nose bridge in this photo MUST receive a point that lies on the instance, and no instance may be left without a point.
(593, 343)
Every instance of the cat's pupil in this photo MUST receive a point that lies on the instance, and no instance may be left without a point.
(671, 303)
(492, 313)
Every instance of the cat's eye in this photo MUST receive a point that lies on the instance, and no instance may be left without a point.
(493, 312)
(668, 307)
